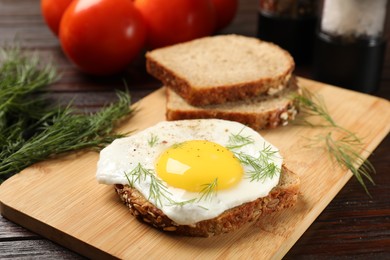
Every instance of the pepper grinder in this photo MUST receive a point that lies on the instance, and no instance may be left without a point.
(290, 24)
(350, 44)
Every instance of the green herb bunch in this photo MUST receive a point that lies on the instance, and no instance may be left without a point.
(32, 129)
(262, 166)
(345, 149)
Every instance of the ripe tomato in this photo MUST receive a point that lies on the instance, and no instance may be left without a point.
(52, 11)
(225, 11)
(174, 21)
(102, 36)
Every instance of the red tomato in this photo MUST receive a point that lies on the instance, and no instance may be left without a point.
(102, 36)
(225, 12)
(173, 21)
(52, 11)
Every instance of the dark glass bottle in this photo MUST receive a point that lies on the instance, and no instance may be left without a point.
(290, 24)
(350, 46)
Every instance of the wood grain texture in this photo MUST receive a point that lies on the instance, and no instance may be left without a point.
(353, 226)
(61, 200)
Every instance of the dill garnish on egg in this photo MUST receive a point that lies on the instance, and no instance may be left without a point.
(202, 168)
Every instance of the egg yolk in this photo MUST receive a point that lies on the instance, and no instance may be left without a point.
(193, 164)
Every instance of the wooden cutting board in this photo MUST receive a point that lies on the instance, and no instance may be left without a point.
(61, 200)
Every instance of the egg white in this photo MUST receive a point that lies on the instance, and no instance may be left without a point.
(124, 154)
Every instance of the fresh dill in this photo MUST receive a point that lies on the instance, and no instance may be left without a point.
(182, 203)
(157, 189)
(138, 174)
(153, 140)
(209, 190)
(177, 145)
(262, 166)
(346, 150)
(32, 129)
(311, 105)
(237, 141)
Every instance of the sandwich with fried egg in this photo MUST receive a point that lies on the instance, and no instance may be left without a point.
(199, 177)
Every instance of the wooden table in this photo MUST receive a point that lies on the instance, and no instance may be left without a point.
(352, 226)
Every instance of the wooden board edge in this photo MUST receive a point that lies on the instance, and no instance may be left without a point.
(312, 216)
(61, 238)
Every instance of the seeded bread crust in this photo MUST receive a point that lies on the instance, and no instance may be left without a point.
(284, 195)
(261, 112)
(203, 92)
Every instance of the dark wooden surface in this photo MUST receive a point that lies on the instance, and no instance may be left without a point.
(353, 226)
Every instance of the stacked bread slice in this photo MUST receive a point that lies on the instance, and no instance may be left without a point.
(229, 77)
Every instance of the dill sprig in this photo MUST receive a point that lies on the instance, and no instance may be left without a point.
(21, 75)
(153, 140)
(177, 145)
(311, 105)
(209, 190)
(62, 132)
(157, 189)
(32, 129)
(237, 141)
(262, 166)
(346, 150)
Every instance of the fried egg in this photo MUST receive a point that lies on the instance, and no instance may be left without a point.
(193, 170)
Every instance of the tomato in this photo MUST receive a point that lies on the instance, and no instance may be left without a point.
(102, 36)
(52, 11)
(173, 21)
(225, 12)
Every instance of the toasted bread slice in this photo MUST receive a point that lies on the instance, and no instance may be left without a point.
(282, 196)
(217, 69)
(260, 112)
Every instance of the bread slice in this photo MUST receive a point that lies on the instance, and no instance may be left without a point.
(217, 69)
(282, 196)
(261, 112)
